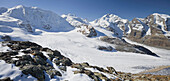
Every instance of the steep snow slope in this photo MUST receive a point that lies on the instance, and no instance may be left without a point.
(75, 21)
(32, 18)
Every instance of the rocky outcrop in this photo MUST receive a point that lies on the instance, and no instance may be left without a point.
(82, 25)
(33, 61)
(87, 30)
(97, 76)
(122, 45)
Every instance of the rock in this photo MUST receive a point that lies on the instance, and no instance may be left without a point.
(53, 72)
(101, 76)
(111, 70)
(109, 48)
(51, 57)
(64, 68)
(85, 64)
(34, 70)
(88, 72)
(26, 57)
(95, 78)
(78, 66)
(6, 79)
(122, 45)
(27, 27)
(57, 53)
(100, 69)
(64, 61)
(6, 38)
(39, 60)
(26, 51)
(87, 30)
(145, 50)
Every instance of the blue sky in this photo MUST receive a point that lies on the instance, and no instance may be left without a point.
(93, 9)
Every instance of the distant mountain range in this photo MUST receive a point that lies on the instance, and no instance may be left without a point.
(154, 30)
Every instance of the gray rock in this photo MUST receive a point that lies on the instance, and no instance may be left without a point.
(34, 70)
(53, 72)
(6, 38)
(39, 60)
(108, 48)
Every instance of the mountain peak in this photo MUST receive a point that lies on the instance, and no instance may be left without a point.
(110, 15)
(38, 18)
(19, 6)
(165, 16)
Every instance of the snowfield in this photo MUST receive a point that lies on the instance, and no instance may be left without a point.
(80, 48)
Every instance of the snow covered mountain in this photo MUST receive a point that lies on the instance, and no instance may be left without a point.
(56, 50)
(32, 18)
(152, 30)
(82, 25)
(112, 23)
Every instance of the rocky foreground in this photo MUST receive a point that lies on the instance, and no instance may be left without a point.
(38, 61)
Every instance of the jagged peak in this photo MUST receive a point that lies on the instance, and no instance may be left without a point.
(110, 15)
(165, 16)
(19, 6)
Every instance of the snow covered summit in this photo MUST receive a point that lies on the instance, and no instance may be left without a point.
(32, 18)
(112, 23)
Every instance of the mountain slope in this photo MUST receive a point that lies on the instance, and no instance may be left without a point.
(82, 25)
(32, 18)
(112, 23)
(152, 30)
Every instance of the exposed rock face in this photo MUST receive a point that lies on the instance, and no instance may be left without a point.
(87, 30)
(82, 25)
(121, 45)
(152, 30)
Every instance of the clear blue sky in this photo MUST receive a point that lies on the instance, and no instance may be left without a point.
(92, 9)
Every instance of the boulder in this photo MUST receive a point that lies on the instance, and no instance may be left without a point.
(6, 38)
(39, 60)
(53, 72)
(34, 70)
(111, 70)
(104, 48)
